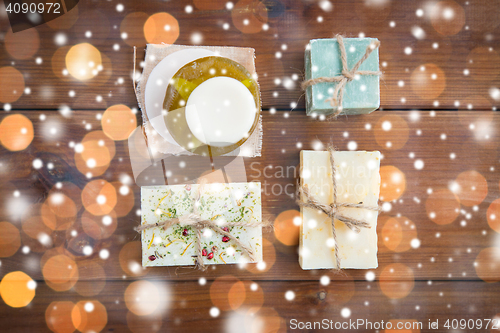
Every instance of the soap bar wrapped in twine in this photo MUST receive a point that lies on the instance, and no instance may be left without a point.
(345, 77)
(195, 221)
(333, 210)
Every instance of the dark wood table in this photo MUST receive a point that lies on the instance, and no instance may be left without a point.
(439, 241)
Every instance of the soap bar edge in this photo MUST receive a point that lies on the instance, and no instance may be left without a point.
(376, 263)
(310, 109)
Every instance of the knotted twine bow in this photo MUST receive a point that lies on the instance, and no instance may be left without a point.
(198, 223)
(332, 210)
(347, 75)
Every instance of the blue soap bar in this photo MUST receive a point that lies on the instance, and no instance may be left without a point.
(322, 59)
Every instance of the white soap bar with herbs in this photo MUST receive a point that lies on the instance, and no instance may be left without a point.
(176, 246)
(358, 181)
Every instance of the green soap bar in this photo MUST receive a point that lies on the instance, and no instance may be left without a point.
(322, 58)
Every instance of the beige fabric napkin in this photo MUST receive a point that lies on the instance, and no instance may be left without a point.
(154, 54)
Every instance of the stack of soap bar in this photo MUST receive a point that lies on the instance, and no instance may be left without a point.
(176, 246)
(322, 59)
(358, 181)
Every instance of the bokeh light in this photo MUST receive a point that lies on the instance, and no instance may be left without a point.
(58, 62)
(34, 226)
(487, 264)
(397, 233)
(145, 298)
(70, 190)
(16, 132)
(428, 81)
(161, 28)
(125, 201)
(23, 44)
(265, 320)
(92, 278)
(442, 206)
(142, 298)
(99, 227)
(89, 316)
(58, 211)
(447, 17)
(253, 300)
(249, 16)
(493, 215)
(483, 64)
(236, 295)
(11, 84)
(17, 289)
(58, 317)
(472, 188)
(97, 151)
(130, 258)
(268, 258)
(60, 272)
(118, 121)
(219, 292)
(61, 205)
(286, 228)
(83, 61)
(10, 239)
(396, 281)
(98, 148)
(99, 197)
(392, 183)
(391, 132)
(132, 25)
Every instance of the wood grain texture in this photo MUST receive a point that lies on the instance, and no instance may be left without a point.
(292, 24)
(189, 305)
(447, 252)
(441, 277)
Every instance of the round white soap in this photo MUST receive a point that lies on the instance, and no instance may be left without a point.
(157, 84)
(220, 111)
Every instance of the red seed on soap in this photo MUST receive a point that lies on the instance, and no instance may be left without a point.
(210, 255)
(185, 232)
(152, 257)
(204, 252)
(226, 229)
(225, 239)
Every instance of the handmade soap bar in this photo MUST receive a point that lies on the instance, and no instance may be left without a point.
(358, 181)
(221, 111)
(322, 59)
(212, 101)
(234, 202)
(161, 63)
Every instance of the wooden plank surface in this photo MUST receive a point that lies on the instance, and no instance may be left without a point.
(468, 43)
(438, 236)
(187, 307)
(446, 252)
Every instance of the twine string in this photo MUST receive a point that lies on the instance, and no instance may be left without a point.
(333, 210)
(346, 75)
